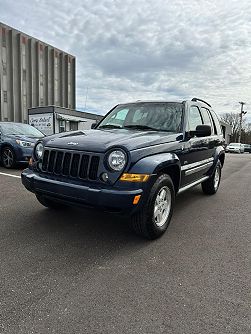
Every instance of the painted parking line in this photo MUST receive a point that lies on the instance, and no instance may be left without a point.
(6, 174)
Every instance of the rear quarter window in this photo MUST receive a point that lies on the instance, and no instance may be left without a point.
(206, 116)
(216, 122)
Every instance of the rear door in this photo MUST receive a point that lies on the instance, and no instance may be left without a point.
(197, 157)
(213, 140)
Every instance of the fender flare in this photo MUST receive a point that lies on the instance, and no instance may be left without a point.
(155, 163)
(219, 154)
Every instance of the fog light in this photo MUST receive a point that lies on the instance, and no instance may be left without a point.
(104, 177)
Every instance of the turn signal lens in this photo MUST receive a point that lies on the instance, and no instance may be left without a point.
(30, 162)
(134, 177)
(136, 199)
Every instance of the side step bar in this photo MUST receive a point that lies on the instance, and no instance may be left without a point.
(195, 183)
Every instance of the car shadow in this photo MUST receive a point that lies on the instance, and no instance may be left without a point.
(76, 237)
(92, 225)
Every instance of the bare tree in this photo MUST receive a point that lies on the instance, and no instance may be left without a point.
(232, 119)
(247, 133)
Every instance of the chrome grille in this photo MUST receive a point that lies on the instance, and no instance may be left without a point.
(72, 164)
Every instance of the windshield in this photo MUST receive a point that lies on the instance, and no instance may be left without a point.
(156, 116)
(21, 129)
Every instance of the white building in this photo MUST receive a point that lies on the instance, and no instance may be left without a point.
(51, 119)
(32, 74)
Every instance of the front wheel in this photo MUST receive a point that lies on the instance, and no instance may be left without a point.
(152, 220)
(8, 157)
(211, 185)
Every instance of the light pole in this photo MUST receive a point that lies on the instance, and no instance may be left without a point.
(241, 114)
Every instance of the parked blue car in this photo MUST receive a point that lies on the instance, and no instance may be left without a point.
(16, 142)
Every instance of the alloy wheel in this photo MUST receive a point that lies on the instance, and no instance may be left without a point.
(162, 206)
(217, 178)
(8, 158)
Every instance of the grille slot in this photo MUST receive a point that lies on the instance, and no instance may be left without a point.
(94, 168)
(51, 161)
(71, 164)
(58, 164)
(45, 160)
(74, 165)
(84, 166)
(66, 163)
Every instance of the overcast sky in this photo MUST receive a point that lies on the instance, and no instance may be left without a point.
(134, 50)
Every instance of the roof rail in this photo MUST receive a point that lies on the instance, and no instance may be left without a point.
(196, 99)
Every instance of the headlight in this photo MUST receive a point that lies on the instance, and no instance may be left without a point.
(117, 160)
(24, 143)
(39, 150)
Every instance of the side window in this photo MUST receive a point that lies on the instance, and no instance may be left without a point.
(206, 117)
(216, 121)
(194, 118)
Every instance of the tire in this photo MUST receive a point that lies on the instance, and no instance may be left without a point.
(48, 203)
(146, 222)
(8, 157)
(211, 185)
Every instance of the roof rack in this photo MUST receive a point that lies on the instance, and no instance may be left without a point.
(196, 99)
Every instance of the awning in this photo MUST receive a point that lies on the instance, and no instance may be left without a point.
(69, 118)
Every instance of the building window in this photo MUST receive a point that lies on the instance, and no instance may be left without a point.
(41, 79)
(24, 75)
(56, 79)
(4, 69)
(3, 38)
(5, 96)
(24, 101)
(62, 126)
(73, 126)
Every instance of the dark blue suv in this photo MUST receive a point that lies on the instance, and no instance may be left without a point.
(134, 162)
(17, 141)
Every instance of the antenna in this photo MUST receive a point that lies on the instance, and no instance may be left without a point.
(86, 96)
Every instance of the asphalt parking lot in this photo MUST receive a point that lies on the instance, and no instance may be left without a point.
(76, 271)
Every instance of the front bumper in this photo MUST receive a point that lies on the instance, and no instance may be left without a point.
(112, 200)
(23, 154)
(233, 150)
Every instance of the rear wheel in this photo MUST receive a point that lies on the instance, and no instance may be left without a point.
(152, 220)
(8, 157)
(48, 203)
(211, 185)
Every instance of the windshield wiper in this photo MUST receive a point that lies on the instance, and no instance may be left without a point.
(140, 127)
(109, 126)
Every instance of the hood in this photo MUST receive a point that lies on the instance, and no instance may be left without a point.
(102, 140)
(23, 137)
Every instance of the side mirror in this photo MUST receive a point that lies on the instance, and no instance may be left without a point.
(203, 130)
(93, 126)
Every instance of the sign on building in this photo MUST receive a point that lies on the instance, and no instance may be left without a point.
(43, 122)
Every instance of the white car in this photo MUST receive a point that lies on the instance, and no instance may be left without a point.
(235, 148)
